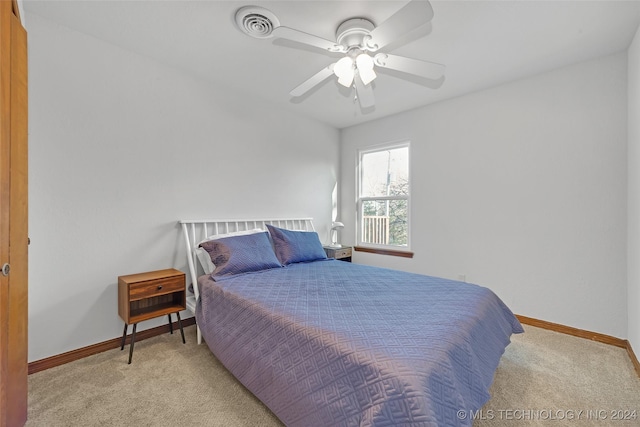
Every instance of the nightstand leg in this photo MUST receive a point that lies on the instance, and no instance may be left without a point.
(181, 331)
(170, 324)
(124, 336)
(133, 340)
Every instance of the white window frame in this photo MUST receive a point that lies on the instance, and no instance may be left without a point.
(361, 199)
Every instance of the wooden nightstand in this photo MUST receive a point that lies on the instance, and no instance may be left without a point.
(144, 296)
(343, 253)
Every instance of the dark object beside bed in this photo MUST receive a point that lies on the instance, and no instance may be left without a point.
(328, 343)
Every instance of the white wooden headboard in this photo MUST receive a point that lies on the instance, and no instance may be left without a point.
(195, 231)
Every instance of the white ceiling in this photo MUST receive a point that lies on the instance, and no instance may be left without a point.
(482, 43)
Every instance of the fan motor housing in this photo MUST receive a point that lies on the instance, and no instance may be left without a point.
(352, 31)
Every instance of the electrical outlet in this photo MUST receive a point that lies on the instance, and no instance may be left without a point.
(462, 277)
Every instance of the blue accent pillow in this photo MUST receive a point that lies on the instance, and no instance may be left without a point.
(296, 246)
(241, 254)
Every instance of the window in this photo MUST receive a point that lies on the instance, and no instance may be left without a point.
(383, 199)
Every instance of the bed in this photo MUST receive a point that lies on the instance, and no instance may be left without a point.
(329, 343)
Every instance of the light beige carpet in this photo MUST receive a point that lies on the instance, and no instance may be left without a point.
(544, 379)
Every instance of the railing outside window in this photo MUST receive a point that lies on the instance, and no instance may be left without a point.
(375, 229)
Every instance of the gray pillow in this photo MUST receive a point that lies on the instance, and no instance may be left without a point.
(241, 254)
(296, 246)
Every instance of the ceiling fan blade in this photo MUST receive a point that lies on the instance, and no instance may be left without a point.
(425, 69)
(313, 81)
(364, 92)
(413, 15)
(308, 39)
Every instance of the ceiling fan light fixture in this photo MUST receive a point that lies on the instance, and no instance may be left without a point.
(356, 38)
(344, 70)
(364, 63)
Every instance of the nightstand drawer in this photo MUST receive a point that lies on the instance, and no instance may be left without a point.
(342, 253)
(155, 287)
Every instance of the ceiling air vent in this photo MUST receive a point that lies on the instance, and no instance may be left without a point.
(256, 21)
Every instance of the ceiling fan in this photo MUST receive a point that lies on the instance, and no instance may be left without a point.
(357, 39)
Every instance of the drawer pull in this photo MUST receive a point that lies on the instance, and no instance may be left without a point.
(160, 287)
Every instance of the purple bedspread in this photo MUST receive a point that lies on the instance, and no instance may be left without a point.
(331, 343)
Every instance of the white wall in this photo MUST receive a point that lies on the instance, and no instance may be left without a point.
(633, 216)
(522, 188)
(121, 148)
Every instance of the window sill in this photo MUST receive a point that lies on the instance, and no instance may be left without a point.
(391, 252)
